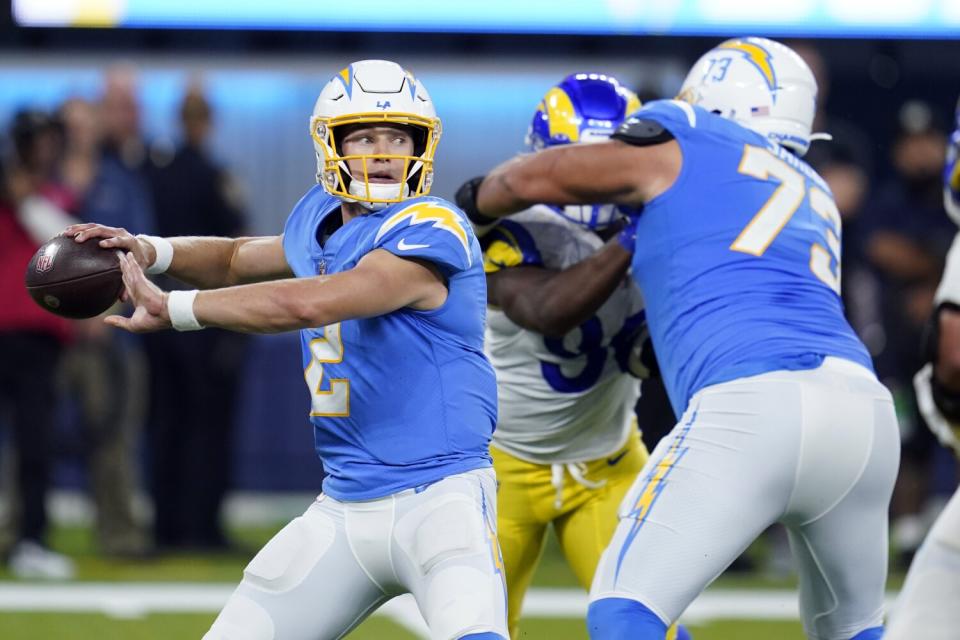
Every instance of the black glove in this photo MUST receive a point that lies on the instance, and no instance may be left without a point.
(466, 199)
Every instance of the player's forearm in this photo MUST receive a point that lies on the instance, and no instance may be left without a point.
(271, 307)
(501, 192)
(568, 298)
(526, 180)
(380, 284)
(206, 262)
(572, 174)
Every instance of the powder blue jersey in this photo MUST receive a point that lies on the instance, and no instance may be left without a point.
(739, 261)
(407, 398)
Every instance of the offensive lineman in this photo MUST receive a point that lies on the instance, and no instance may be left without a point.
(737, 255)
(927, 606)
(565, 331)
(389, 298)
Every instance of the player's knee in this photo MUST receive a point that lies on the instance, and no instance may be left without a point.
(241, 619)
(874, 633)
(618, 618)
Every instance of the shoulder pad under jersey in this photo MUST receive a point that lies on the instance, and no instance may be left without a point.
(642, 132)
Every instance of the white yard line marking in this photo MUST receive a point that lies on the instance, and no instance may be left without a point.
(715, 604)
(131, 600)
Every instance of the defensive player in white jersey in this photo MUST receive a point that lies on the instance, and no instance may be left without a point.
(389, 296)
(565, 333)
(927, 607)
(737, 255)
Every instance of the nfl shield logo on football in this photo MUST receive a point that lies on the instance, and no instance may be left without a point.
(45, 262)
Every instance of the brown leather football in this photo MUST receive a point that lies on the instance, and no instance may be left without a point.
(74, 279)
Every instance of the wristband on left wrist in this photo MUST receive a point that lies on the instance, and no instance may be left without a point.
(180, 310)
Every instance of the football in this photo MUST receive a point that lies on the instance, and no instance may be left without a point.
(74, 279)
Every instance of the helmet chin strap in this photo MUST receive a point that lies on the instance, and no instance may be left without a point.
(380, 191)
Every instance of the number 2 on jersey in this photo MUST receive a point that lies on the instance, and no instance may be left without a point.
(776, 212)
(334, 402)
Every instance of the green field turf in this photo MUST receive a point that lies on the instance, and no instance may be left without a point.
(227, 568)
(24, 626)
(78, 543)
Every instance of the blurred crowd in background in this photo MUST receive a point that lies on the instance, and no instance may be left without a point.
(157, 414)
(170, 395)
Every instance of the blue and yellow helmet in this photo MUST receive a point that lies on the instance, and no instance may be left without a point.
(584, 107)
(951, 173)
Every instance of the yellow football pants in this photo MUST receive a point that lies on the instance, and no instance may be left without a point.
(584, 519)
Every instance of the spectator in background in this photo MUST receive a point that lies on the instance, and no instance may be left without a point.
(846, 162)
(30, 344)
(82, 133)
(906, 244)
(194, 375)
(119, 195)
(106, 370)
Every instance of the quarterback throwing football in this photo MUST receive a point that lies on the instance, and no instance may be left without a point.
(386, 287)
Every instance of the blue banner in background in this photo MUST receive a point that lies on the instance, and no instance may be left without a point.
(857, 18)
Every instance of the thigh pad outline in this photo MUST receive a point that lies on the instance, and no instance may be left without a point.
(447, 527)
(291, 555)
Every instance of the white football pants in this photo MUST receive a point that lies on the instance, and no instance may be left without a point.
(817, 450)
(328, 569)
(929, 605)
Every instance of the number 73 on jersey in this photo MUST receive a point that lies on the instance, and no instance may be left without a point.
(779, 208)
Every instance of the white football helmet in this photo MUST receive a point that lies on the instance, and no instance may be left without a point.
(374, 92)
(760, 84)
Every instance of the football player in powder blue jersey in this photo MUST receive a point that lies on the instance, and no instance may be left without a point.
(783, 420)
(386, 286)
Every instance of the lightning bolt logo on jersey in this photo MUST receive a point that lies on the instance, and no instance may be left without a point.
(407, 398)
(430, 213)
(740, 269)
(569, 398)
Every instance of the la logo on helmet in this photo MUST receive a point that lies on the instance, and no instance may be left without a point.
(383, 105)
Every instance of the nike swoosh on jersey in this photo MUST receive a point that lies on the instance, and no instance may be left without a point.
(403, 246)
(617, 458)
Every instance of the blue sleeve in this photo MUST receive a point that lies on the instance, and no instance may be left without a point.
(299, 229)
(430, 229)
(509, 244)
(674, 115)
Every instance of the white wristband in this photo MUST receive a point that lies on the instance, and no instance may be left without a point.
(164, 251)
(180, 310)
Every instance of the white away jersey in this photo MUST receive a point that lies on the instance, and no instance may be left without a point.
(949, 289)
(564, 399)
